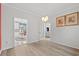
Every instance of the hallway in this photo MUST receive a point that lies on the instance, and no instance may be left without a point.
(42, 48)
(25, 27)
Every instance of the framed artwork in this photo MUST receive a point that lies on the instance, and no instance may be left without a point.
(60, 21)
(72, 19)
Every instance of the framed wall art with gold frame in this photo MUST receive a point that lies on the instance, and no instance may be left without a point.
(72, 19)
(60, 21)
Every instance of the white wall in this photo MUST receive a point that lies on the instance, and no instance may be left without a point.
(7, 25)
(67, 35)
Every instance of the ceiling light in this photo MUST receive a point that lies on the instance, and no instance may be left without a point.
(45, 19)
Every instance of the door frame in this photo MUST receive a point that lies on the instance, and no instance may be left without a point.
(26, 30)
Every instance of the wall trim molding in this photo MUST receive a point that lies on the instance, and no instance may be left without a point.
(64, 45)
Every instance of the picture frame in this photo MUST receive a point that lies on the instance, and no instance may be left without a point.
(60, 21)
(72, 19)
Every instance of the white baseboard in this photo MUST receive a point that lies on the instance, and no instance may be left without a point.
(64, 44)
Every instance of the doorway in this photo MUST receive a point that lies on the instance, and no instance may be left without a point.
(20, 31)
(45, 31)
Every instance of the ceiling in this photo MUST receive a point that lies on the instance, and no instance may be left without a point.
(43, 9)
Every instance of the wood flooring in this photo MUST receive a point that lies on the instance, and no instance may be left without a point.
(41, 48)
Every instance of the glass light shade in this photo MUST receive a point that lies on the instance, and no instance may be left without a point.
(45, 19)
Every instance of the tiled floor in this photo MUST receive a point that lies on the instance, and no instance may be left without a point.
(41, 48)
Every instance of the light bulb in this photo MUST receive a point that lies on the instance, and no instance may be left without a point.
(42, 18)
(45, 19)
